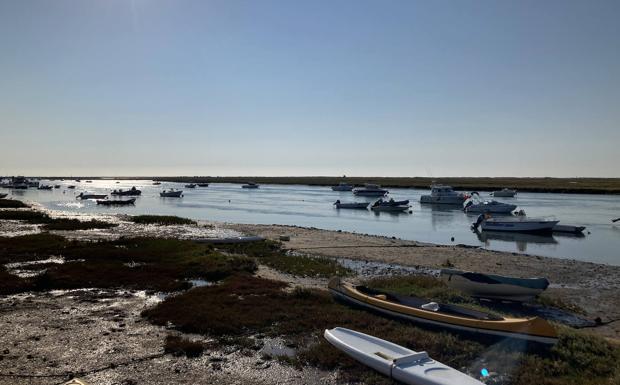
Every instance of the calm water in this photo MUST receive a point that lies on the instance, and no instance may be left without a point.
(312, 206)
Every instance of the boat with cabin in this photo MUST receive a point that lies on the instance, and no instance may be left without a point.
(493, 206)
(370, 190)
(442, 194)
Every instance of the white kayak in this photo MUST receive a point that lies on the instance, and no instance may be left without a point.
(394, 361)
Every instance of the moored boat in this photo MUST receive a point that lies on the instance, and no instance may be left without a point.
(493, 286)
(396, 362)
(203, 185)
(71, 187)
(370, 190)
(351, 205)
(504, 193)
(45, 187)
(447, 316)
(391, 205)
(489, 207)
(191, 185)
(250, 185)
(342, 186)
(445, 195)
(171, 193)
(516, 224)
(131, 192)
(2, 196)
(56, 186)
(91, 196)
(116, 202)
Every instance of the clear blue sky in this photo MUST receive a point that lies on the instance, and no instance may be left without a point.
(394, 88)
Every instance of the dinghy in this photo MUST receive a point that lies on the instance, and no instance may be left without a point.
(519, 224)
(351, 205)
(131, 192)
(171, 193)
(494, 286)
(391, 205)
(191, 185)
(395, 361)
(91, 196)
(452, 317)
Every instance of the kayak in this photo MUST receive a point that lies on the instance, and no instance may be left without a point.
(457, 318)
(395, 361)
(494, 286)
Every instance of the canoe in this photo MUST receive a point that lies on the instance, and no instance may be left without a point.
(494, 286)
(116, 202)
(395, 361)
(452, 317)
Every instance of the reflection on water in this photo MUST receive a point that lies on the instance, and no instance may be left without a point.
(519, 239)
(313, 207)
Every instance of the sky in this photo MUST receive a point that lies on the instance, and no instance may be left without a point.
(263, 87)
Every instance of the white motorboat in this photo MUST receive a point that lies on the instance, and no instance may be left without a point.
(250, 185)
(504, 193)
(516, 224)
(370, 190)
(445, 195)
(172, 193)
(390, 206)
(342, 187)
(395, 361)
(488, 207)
(351, 205)
(492, 286)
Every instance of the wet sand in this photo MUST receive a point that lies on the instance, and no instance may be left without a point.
(595, 288)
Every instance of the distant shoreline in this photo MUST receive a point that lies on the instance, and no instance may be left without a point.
(543, 185)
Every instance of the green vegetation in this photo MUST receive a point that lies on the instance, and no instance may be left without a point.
(161, 220)
(556, 185)
(269, 253)
(30, 216)
(12, 204)
(49, 223)
(179, 346)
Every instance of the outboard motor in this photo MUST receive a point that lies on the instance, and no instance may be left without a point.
(476, 224)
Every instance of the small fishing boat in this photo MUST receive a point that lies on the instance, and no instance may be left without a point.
(191, 185)
(390, 206)
(452, 317)
(488, 207)
(504, 193)
(116, 202)
(351, 205)
(568, 229)
(156, 183)
(396, 362)
(91, 196)
(520, 224)
(370, 190)
(45, 187)
(494, 286)
(203, 185)
(2, 196)
(71, 187)
(250, 185)
(89, 181)
(342, 186)
(171, 193)
(131, 192)
(56, 186)
(443, 195)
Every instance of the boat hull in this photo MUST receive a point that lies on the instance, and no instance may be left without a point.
(539, 227)
(532, 329)
(175, 194)
(394, 361)
(494, 287)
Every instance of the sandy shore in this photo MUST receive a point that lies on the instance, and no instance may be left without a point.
(595, 288)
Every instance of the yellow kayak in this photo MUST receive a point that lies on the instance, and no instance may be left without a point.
(443, 315)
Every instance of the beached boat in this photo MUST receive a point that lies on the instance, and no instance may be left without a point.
(191, 185)
(568, 229)
(494, 286)
(131, 192)
(504, 193)
(250, 185)
(91, 196)
(2, 196)
(443, 195)
(203, 185)
(342, 186)
(520, 224)
(489, 207)
(370, 190)
(396, 362)
(351, 205)
(452, 317)
(116, 202)
(171, 193)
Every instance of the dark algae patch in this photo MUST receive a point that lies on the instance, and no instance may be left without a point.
(180, 346)
(161, 220)
(67, 224)
(12, 204)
